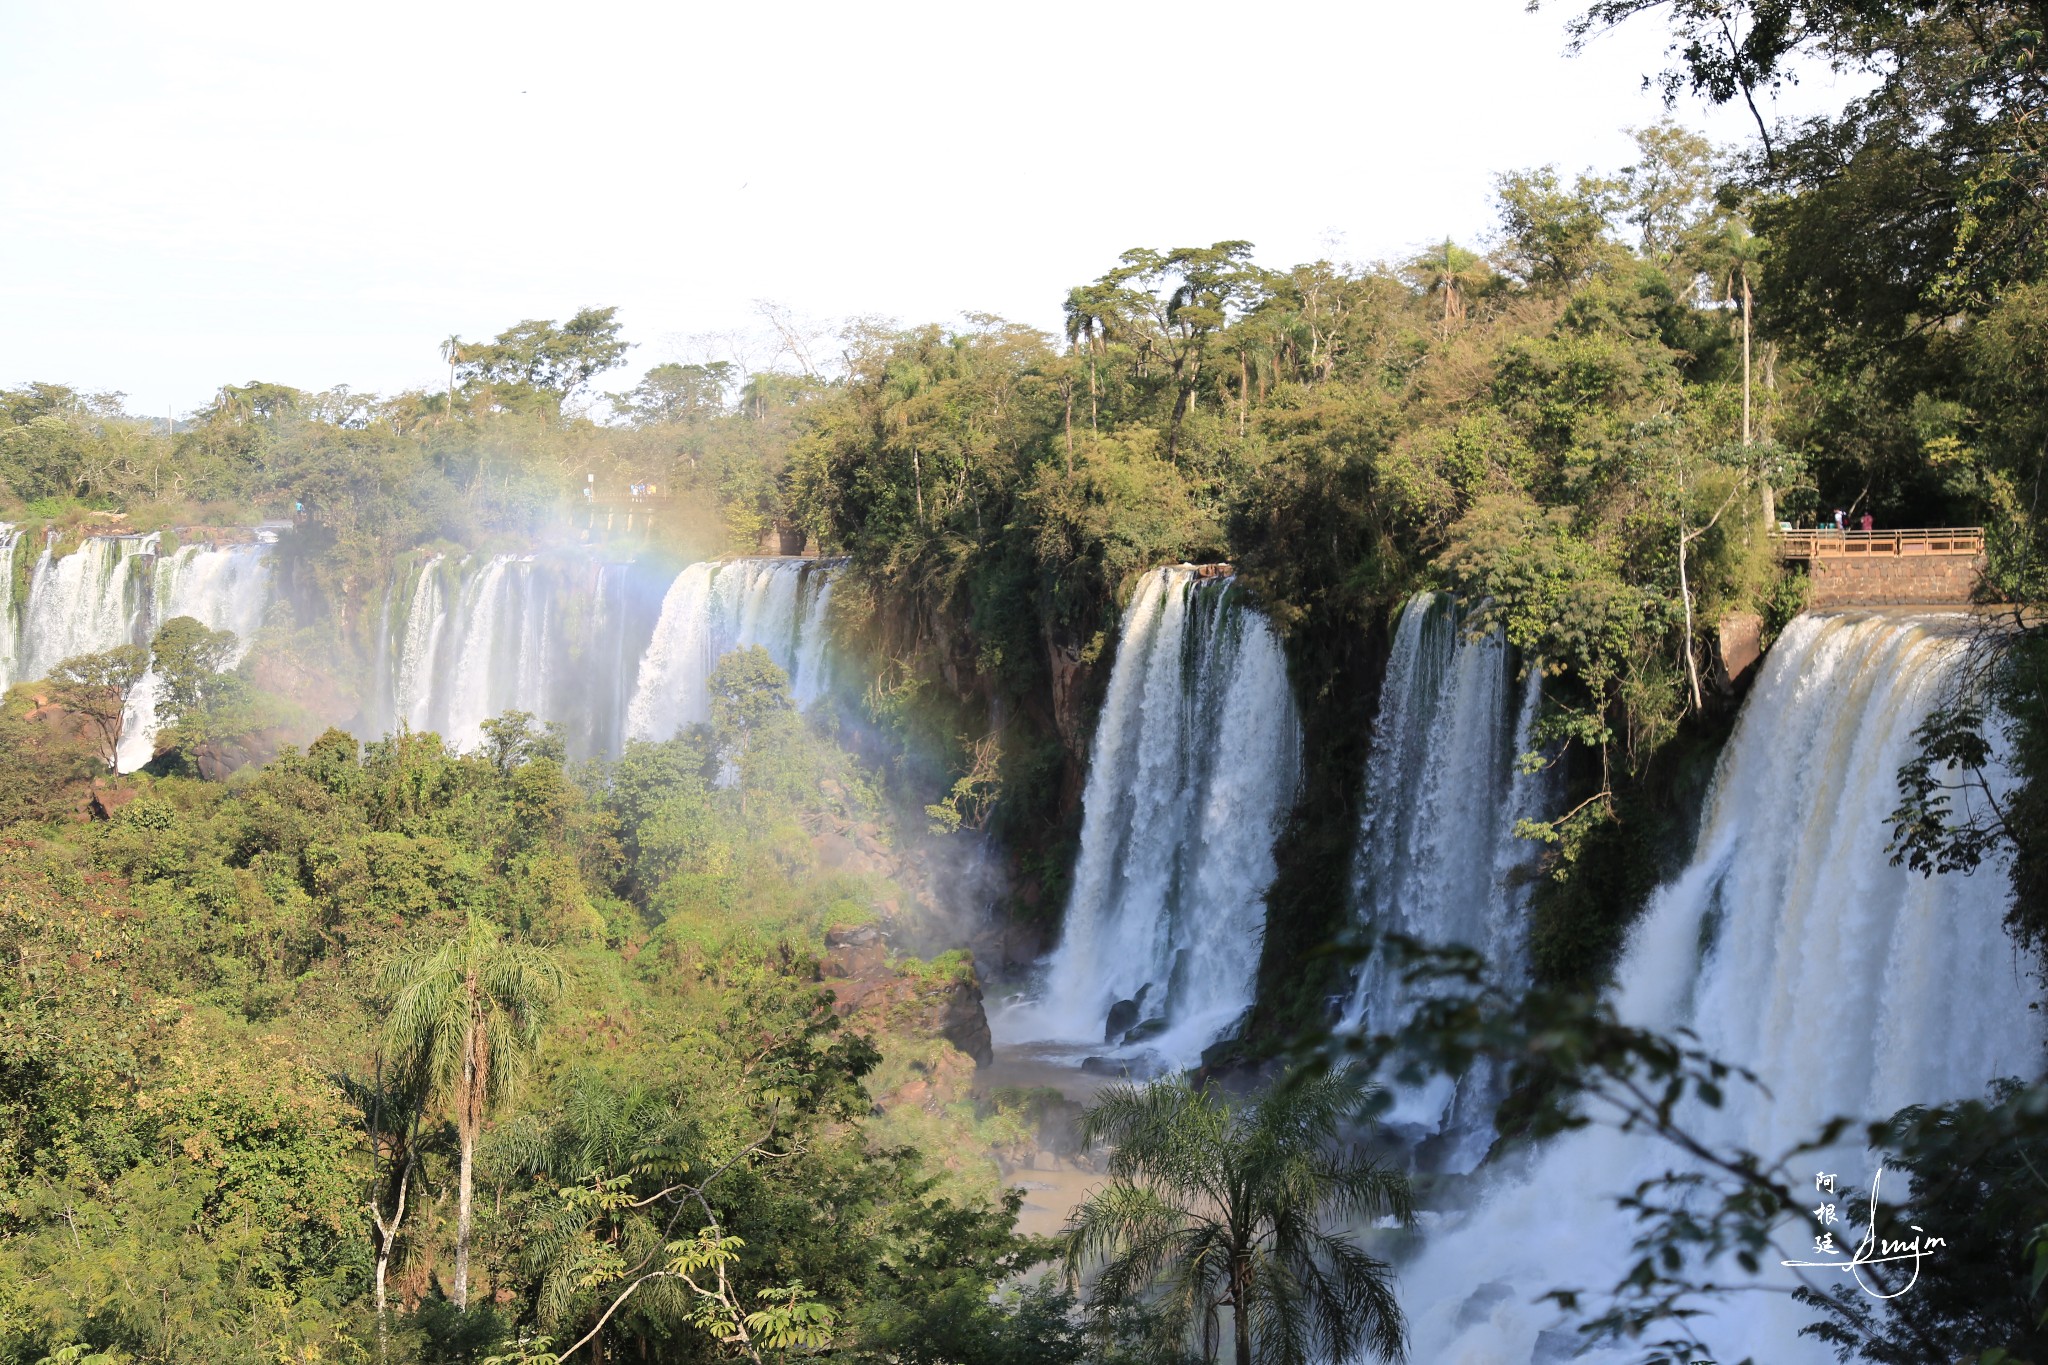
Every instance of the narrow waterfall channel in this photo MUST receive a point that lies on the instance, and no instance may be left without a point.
(10, 624)
(1194, 762)
(1789, 945)
(1438, 858)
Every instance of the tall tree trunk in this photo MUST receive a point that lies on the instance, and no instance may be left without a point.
(1068, 386)
(468, 1120)
(383, 1325)
(387, 1237)
(1692, 670)
(1241, 1322)
(1093, 430)
(1183, 389)
(465, 1188)
(1745, 362)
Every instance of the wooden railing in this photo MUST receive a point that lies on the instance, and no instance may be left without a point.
(1829, 543)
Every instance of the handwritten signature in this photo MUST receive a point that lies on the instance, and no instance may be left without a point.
(1872, 1250)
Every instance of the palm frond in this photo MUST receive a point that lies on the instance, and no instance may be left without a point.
(1205, 1192)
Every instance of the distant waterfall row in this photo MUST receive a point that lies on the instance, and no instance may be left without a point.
(1193, 768)
(1789, 945)
(600, 648)
(610, 651)
(115, 590)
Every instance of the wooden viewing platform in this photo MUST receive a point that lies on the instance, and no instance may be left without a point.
(1829, 543)
(1927, 567)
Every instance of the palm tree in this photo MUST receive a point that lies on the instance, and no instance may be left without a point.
(451, 351)
(466, 1018)
(1091, 318)
(1737, 252)
(1213, 1205)
(639, 1147)
(1452, 271)
(1733, 257)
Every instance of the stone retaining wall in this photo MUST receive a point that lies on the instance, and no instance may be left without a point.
(1888, 581)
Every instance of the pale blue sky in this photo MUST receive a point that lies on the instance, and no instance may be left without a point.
(218, 192)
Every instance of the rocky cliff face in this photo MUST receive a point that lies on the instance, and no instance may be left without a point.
(941, 999)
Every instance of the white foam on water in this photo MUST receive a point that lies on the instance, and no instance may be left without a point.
(1790, 945)
(1195, 761)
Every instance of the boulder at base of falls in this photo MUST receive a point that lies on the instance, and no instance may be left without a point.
(963, 1021)
(1146, 1031)
(1122, 1015)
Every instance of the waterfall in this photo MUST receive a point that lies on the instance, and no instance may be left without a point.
(92, 599)
(1194, 762)
(116, 590)
(10, 618)
(420, 629)
(468, 638)
(1789, 945)
(1438, 858)
(712, 609)
(608, 651)
(223, 587)
(497, 652)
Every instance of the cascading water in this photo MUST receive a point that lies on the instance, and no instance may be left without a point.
(712, 609)
(223, 587)
(1195, 760)
(466, 639)
(1789, 945)
(584, 644)
(116, 590)
(10, 616)
(1438, 857)
(410, 698)
(92, 599)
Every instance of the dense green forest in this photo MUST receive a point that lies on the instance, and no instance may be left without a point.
(382, 1051)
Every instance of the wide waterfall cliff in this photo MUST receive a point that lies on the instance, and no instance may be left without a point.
(1438, 857)
(1789, 945)
(469, 638)
(1192, 768)
(610, 651)
(115, 590)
